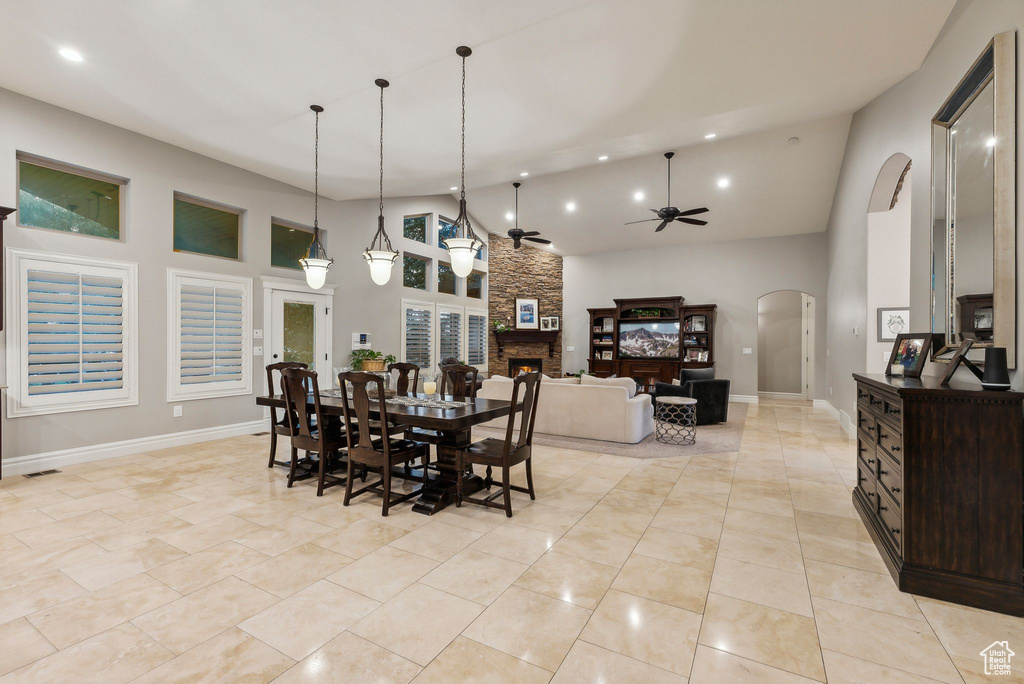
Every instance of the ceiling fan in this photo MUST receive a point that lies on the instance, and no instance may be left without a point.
(669, 214)
(518, 234)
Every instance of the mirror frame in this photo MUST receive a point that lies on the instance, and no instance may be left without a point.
(996, 64)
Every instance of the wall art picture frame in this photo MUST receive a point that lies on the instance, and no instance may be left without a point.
(606, 355)
(892, 321)
(909, 352)
(959, 356)
(545, 323)
(527, 317)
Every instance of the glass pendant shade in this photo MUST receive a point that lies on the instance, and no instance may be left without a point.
(462, 252)
(381, 262)
(316, 271)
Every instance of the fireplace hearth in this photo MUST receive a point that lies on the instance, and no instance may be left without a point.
(516, 366)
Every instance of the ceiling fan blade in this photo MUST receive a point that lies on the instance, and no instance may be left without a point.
(658, 211)
(642, 221)
(531, 232)
(692, 222)
(692, 212)
(540, 240)
(662, 226)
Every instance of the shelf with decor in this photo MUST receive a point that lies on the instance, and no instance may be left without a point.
(602, 341)
(698, 324)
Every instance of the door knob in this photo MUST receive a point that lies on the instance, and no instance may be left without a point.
(275, 356)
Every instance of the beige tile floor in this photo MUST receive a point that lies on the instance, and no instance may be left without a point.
(196, 564)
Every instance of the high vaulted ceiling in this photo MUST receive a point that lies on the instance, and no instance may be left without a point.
(553, 84)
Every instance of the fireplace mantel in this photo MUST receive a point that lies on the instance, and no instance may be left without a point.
(549, 337)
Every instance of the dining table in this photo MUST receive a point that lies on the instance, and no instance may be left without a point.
(433, 412)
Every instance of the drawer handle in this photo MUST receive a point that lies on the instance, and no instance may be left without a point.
(892, 411)
(882, 435)
(883, 472)
(871, 461)
(871, 493)
(876, 402)
(895, 490)
(883, 508)
(894, 448)
(894, 530)
(871, 428)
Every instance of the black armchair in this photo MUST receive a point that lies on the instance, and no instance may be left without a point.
(712, 395)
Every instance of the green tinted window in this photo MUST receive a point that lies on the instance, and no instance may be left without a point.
(445, 279)
(445, 230)
(415, 228)
(414, 272)
(48, 198)
(475, 285)
(288, 245)
(204, 230)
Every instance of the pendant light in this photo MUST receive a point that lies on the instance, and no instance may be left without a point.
(316, 262)
(380, 255)
(463, 249)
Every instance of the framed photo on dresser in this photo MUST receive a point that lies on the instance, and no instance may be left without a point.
(909, 352)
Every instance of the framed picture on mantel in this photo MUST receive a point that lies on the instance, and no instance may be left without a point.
(526, 314)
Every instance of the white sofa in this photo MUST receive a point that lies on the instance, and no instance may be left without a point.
(593, 410)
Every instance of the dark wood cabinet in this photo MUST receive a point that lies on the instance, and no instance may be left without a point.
(940, 487)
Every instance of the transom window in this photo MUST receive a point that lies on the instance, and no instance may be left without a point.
(288, 244)
(475, 285)
(446, 228)
(414, 271)
(69, 200)
(415, 227)
(203, 228)
(446, 280)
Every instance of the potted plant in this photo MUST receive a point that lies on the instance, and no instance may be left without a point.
(647, 313)
(500, 327)
(370, 360)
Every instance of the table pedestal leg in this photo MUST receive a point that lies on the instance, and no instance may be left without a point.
(439, 492)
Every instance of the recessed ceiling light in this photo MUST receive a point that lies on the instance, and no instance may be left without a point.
(638, 195)
(723, 182)
(991, 142)
(71, 54)
(570, 206)
(454, 188)
(509, 216)
(710, 136)
(524, 174)
(794, 140)
(603, 157)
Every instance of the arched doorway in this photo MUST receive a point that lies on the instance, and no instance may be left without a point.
(888, 261)
(785, 345)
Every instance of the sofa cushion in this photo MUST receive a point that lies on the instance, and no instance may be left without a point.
(688, 374)
(628, 383)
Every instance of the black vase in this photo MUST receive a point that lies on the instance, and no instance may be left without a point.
(996, 375)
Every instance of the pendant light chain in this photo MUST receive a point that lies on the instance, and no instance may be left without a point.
(463, 185)
(316, 173)
(382, 151)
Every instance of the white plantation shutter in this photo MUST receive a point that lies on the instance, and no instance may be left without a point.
(210, 315)
(72, 337)
(417, 333)
(449, 332)
(476, 338)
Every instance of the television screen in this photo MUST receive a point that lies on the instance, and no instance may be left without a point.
(649, 340)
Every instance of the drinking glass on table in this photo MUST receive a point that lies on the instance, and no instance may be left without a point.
(429, 385)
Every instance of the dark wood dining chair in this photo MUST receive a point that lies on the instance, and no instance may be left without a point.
(312, 431)
(368, 446)
(404, 384)
(278, 426)
(459, 381)
(504, 453)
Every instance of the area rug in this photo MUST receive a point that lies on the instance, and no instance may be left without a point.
(711, 439)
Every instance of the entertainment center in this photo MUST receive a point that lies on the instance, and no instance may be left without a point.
(651, 339)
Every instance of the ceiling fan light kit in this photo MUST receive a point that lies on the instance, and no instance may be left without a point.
(668, 214)
(464, 245)
(316, 263)
(380, 255)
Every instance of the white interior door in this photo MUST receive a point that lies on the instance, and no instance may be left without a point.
(300, 330)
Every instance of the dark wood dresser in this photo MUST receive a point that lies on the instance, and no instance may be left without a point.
(940, 487)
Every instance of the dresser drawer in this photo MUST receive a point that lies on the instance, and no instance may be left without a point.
(866, 422)
(876, 401)
(890, 441)
(866, 453)
(863, 396)
(892, 409)
(890, 478)
(867, 483)
(892, 520)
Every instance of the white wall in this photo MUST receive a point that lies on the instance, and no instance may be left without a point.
(779, 346)
(899, 120)
(888, 264)
(730, 274)
(156, 170)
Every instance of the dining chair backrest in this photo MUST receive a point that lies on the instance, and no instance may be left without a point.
(403, 385)
(459, 381)
(529, 384)
(273, 387)
(297, 383)
(356, 410)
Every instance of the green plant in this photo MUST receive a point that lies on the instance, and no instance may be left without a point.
(647, 313)
(360, 355)
(500, 327)
(580, 373)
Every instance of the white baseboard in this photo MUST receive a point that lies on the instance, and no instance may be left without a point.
(34, 463)
(824, 404)
(788, 396)
(841, 416)
(743, 398)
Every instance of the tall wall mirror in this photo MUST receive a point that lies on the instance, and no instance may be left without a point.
(973, 208)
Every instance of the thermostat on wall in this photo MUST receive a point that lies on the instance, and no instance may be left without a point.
(360, 340)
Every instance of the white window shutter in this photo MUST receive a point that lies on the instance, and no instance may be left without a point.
(476, 338)
(418, 333)
(450, 332)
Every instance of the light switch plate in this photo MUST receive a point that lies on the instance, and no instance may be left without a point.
(257, 334)
(570, 348)
(257, 351)
(748, 350)
(177, 411)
